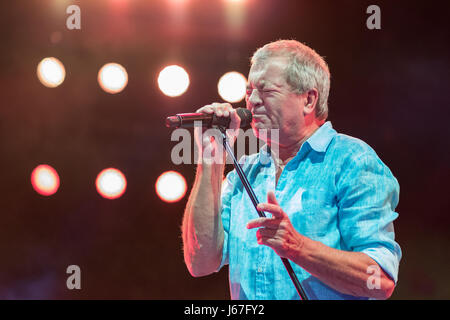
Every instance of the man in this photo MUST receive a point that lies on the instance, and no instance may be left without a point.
(330, 199)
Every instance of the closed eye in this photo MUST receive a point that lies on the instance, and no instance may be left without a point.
(264, 91)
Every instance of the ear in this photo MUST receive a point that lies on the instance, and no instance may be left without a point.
(311, 98)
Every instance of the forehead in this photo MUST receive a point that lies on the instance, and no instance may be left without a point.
(268, 71)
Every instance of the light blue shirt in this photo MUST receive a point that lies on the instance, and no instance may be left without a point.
(336, 190)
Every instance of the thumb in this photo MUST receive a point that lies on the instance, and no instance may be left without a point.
(235, 120)
(271, 198)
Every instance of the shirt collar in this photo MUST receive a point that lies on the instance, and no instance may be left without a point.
(319, 142)
(265, 157)
(321, 139)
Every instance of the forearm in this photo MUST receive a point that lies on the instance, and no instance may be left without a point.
(202, 227)
(344, 271)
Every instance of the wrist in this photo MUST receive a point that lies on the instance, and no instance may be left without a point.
(213, 159)
(305, 246)
(207, 170)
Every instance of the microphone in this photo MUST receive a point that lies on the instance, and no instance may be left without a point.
(186, 120)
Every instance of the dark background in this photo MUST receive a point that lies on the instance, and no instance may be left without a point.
(389, 88)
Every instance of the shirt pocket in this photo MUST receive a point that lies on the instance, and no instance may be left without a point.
(317, 216)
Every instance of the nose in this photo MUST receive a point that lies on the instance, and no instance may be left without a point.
(254, 99)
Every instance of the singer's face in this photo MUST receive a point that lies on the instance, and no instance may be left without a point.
(272, 101)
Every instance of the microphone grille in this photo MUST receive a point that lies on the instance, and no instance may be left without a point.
(246, 117)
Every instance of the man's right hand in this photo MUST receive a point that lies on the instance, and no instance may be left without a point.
(206, 139)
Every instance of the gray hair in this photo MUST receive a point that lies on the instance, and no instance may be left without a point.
(306, 69)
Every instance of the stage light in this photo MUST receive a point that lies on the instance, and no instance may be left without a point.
(173, 81)
(112, 78)
(171, 186)
(111, 183)
(232, 86)
(45, 180)
(51, 72)
(235, 16)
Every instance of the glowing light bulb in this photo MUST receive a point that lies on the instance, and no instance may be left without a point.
(45, 180)
(171, 186)
(113, 78)
(173, 81)
(111, 183)
(232, 86)
(51, 72)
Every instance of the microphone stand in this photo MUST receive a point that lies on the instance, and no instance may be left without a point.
(255, 202)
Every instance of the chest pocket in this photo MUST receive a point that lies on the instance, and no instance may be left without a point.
(317, 215)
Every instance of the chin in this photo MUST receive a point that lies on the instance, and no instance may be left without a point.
(261, 131)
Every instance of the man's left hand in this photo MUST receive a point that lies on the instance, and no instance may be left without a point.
(277, 231)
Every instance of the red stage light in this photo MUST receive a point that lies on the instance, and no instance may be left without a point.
(111, 183)
(45, 180)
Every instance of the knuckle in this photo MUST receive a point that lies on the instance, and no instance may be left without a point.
(204, 109)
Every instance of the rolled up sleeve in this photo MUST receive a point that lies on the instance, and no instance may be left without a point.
(367, 196)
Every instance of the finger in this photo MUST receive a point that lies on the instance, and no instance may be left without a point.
(274, 209)
(271, 198)
(266, 233)
(268, 241)
(262, 222)
(220, 109)
(226, 109)
(235, 120)
(205, 109)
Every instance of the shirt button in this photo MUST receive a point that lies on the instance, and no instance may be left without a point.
(259, 270)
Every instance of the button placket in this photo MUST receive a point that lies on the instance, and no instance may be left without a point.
(259, 277)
